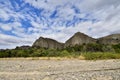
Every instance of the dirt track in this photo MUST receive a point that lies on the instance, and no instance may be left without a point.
(59, 70)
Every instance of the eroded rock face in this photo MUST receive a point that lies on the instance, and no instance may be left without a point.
(48, 43)
(79, 39)
(110, 39)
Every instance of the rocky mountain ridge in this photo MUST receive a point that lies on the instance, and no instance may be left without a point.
(48, 43)
(110, 39)
(77, 39)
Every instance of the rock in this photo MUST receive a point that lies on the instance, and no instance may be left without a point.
(79, 39)
(47, 78)
(110, 39)
(48, 43)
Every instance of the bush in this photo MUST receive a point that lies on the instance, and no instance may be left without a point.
(21, 53)
(93, 51)
(64, 53)
(101, 55)
(5, 53)
(53, 53)
(92, 47)
(116, 48)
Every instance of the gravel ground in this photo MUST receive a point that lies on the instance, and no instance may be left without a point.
(59, 69)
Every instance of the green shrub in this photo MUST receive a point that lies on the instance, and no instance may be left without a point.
(101, 55)
(90, 51)
(53, 53)
(21, 53)
(116, 48)
(64, 53)
(93, 47)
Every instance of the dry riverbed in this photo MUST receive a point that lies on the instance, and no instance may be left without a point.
(56, 69)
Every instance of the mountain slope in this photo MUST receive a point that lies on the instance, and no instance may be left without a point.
(110, 39)
(48, 43)
(79, 39)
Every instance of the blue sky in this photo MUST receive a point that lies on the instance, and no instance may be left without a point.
(23, 21)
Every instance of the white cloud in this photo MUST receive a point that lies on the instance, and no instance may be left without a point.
(12, 41)
(105, 11)
(5, 27)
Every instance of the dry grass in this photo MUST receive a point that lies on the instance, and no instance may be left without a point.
(43, 58)
(84, 56)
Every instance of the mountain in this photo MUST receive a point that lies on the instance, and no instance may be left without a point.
(110, 39)
(48, 43)
(79, 39)
(23, 47)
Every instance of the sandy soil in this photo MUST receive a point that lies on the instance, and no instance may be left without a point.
(68, 69)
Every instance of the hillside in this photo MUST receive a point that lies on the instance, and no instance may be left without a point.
(78, 45)
(79, 39)
(110, 39)
(47, 43)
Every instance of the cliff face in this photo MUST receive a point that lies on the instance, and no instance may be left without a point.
(110, 39)
(79, 39)
(47, 43)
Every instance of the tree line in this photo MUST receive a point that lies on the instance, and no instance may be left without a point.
(74, 51)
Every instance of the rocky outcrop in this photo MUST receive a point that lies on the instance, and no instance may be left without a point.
(79, 39)
(48, 43)
(110, 39)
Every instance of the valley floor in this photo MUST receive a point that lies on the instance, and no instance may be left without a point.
(66, 69)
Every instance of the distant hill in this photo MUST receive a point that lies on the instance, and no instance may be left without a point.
(110, 39)
(48, 43)
(79, 43)
(77, 39)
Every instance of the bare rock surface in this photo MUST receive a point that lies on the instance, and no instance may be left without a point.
(110, 39)
(79, 39)
(48, 43)
(72, 69)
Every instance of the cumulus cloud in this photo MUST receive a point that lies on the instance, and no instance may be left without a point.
(23, 21)
(7, 41)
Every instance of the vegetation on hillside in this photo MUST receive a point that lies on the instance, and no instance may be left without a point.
(89, 51)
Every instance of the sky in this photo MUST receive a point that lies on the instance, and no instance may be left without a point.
(24, 21)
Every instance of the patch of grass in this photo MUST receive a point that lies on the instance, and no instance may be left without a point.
(100, 55)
